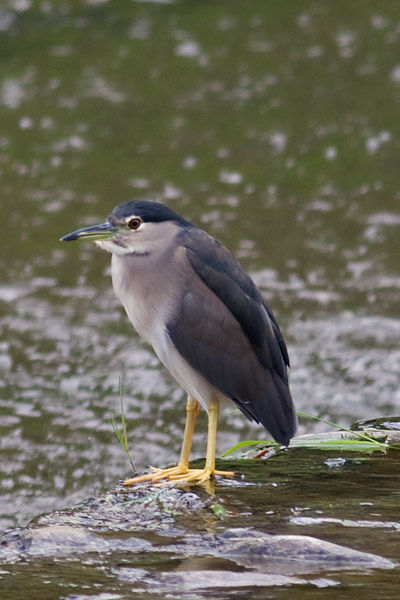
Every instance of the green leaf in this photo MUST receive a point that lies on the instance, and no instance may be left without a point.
(219, 510)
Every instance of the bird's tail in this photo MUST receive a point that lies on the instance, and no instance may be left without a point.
(274, 410)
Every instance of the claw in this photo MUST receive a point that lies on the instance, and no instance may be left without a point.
(178, 474)
(182, 473)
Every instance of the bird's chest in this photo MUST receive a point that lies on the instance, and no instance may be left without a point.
(147, 293)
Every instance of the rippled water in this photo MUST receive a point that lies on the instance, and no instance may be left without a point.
(275, 127)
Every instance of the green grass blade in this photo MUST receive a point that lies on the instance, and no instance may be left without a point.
(247, 443)
(364, 443)
(122, 435)
(362, 436)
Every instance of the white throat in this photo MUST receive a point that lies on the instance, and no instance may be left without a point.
(112, 247)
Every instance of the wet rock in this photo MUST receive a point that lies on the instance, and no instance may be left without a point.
(143, 508)
(275, 554)
(57, 541)
(293, 553)
(191, 581)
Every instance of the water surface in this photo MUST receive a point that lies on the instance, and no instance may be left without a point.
(274, 126)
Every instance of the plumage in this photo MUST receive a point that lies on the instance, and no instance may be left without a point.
(229, 337)
(149, 212)
(188, 297)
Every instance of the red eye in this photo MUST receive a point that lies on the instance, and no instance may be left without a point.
(134, 223)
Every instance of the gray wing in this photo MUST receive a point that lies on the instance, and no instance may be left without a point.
(226, 331)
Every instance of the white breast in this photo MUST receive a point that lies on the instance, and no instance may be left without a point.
(150, 295)
(147, 304)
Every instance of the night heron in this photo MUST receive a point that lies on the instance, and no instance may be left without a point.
(188, 297)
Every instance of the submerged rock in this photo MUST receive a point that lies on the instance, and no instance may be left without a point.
(293, 553)
(173, 541)
(256, 549)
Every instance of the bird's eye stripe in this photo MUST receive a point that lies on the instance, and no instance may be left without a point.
(134, 223)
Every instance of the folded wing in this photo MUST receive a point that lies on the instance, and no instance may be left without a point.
(231, 336)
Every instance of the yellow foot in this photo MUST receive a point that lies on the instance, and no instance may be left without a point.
(177, 474)
(198, 475)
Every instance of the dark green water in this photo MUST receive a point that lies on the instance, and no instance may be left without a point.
(275, 126)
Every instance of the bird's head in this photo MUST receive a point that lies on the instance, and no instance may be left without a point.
(132, 228)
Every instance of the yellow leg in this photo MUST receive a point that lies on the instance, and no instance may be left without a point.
(192, 410)
(202, 475)
(182, 473)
